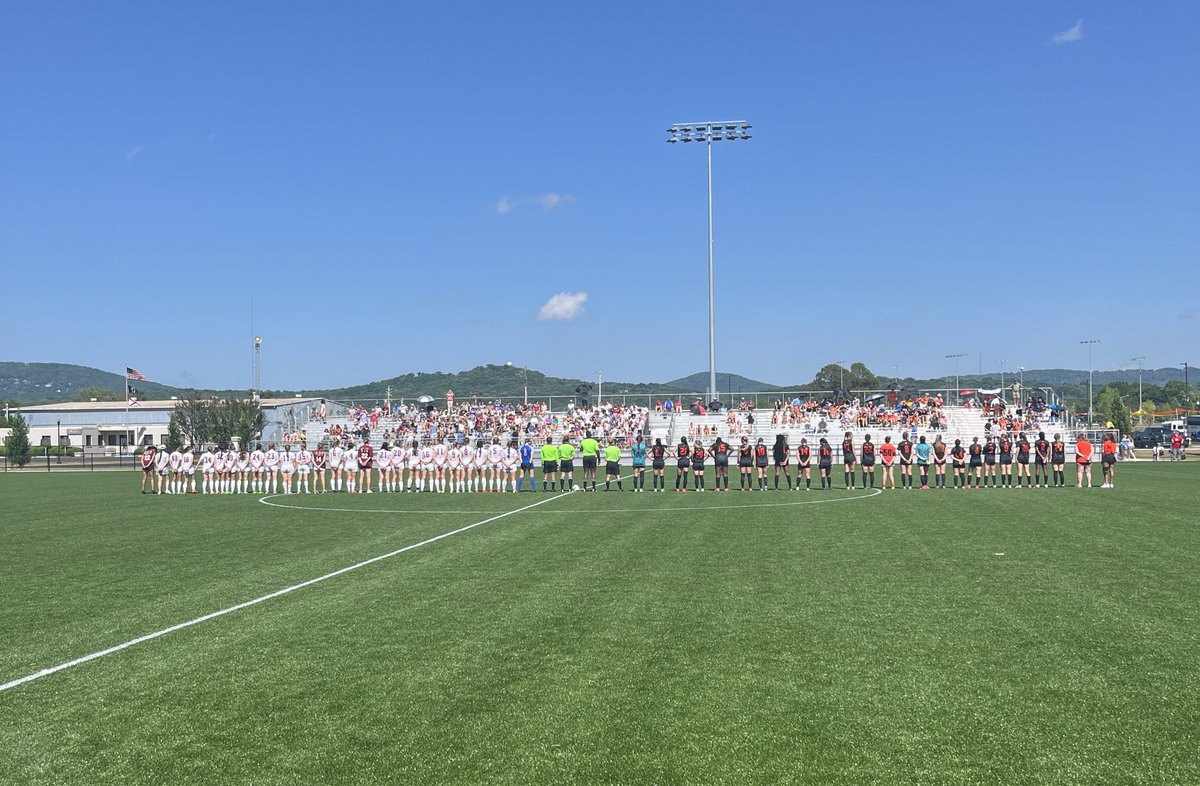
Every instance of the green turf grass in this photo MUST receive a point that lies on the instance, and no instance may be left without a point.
(624, 638)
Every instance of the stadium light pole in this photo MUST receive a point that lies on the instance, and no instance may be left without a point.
(1139, 360)
(1187, 391)
(1090, 342)
(1002, 396)
(841, 375)
(957, 387)
(709, 132)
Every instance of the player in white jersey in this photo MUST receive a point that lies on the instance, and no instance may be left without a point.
(271, 467)
(413, 458)
(512, 461)
(287, 466)
(479, 460)
(454, 468)
(426, 457)
(383, 463)
(174, 464)
(188, 470)
(207, 460)
(398, 455)
(350, 467)
(496, 462)
(303, 467)
(231, 458)
(439, 465)
(162, 468)
(336, 458)
(257, 457)
(467, 473)
(243, 471)
(218, 470)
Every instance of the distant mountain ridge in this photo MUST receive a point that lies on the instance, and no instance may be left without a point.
(36, 383)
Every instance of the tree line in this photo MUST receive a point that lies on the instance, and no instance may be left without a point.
(215, 421)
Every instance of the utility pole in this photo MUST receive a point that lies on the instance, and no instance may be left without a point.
(1090, 342)
(1139, 360)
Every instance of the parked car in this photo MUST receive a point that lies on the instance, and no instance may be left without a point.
(1149, 437)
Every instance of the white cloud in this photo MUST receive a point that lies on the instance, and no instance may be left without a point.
(548, 202)
(1070, 35)
(564, 306)
(133, 152)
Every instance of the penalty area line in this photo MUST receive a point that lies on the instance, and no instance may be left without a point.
(262, 599)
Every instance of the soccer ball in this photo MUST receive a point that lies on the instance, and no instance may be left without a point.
(575, 487)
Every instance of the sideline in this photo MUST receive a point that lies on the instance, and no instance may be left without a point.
(246, 604)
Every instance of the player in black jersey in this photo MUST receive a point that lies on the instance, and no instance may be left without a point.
(683, 461)
(761, 458)
(848, 460)
(958, 463)
(1023, 461)
(745, 465)
(825, 463)
(1041, 460)
(698, 456)
(939, 463)
(782, 453)
(1058, 457)
(905, 449)
(804, 465)
(720, 453)
(976, 454)
(658, 463)
(989, 461)
(1004, 449)
(868, 462)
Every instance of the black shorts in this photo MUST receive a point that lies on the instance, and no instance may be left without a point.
(361, 467)
(148, 469)
(526, 466)
(697, 466)
(761, 464)
(549, 466)
(721, 463)
(1041, 462)
(745, 463)
(868, 462)
(589, 462)
(682, 464)
(1006, 460)
(659, 465)
(975, 463)
(1108, 458)
(1022, 459)
(959, 465)
(989, 460)
(847, 460)
(566, 466)
(612, 467)
(824, 465)
(1058, 458)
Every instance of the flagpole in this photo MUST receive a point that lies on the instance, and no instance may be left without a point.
(125, 427)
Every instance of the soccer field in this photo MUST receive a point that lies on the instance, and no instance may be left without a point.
(1014, 636)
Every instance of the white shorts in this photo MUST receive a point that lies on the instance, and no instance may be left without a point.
(271, 467)
(351, 466)
(511, 469)
(207, 470)
(243, 467)
(287, 468)
(426, 467)
(304, 469)
(454, 464)
(256, 468)
(189, 472)
(383, 467)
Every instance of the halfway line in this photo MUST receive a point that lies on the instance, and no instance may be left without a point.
(246, 604)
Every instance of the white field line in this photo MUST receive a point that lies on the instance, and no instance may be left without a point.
(222, 612)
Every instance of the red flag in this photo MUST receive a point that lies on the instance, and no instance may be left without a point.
(133, 373)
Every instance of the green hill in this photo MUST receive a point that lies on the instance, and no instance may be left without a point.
(726, 383)
(39, 383)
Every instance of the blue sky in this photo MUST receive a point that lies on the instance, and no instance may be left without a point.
(407, 187)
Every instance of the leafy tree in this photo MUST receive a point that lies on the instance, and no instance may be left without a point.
(860, 378)
(16, 444)
(174, 437)
(829, 377)
(1111, 408)
(193, 417)
(248, 421)
(100, 394)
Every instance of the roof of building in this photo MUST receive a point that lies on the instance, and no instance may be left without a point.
(109, 406)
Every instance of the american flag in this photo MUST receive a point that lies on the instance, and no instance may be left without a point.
(133, 373)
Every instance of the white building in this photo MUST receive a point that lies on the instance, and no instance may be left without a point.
(111, 427)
